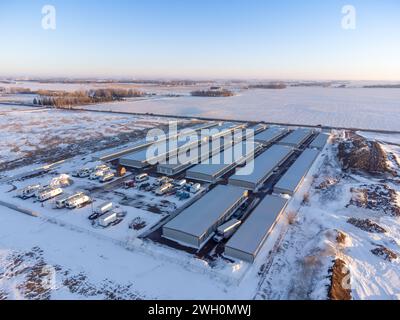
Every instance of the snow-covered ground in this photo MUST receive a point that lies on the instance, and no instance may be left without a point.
(299, 269)
(342, 107)
(24, 131)
(354, 106)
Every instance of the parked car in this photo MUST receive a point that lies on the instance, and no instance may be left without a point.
(129, 184)
(143, 186)
(165, 188)
(142, 177)
(108, 176)
(195, 188)
(180, 184)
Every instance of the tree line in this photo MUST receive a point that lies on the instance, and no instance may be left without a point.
(63, 99)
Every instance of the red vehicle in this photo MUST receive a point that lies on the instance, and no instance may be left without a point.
(129, 184)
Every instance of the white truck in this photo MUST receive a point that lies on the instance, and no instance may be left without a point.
(29, 191)
(165, 188)
(226, 230)
(108, 176)
(107, 219)
(60, 203)
(104, 208)
(78, 202)
(48, 193)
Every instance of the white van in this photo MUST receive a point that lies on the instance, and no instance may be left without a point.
(142, 177)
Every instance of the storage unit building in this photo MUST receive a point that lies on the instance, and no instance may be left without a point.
(142, 144)
(297, 137)
(320, 141)
(247, 242)
(223, 162)
(223, 130)
(207, 149)
(196, 224)
(270, 136)
(293, 178)
(155, 152)
(263, 167)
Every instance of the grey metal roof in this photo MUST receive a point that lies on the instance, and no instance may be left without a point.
(292, 178)
(225, 158)
(320, 141)
(108, 156)
(264, 164)
(223, 129)
(270, 135)
(193, 159)
(252, 234)
(168, 146)
(206, 211)
(297, 137)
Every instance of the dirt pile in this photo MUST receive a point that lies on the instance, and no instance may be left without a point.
(339, 288)
(357, 153)
(366, 225)
(384, 253)
(341, 237)
(376, 197)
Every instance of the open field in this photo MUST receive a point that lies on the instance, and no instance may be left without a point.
(42, 135)
(348, 107)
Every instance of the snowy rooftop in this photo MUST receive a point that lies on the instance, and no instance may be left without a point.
(297, 137)
(292, 178)
(263, 164)
(270, 135)
(252, 234)
(225, 158)
(320, 141)
(198, 218)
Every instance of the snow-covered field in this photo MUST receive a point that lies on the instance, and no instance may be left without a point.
(342, 107)
(24, 131)
(354, 106)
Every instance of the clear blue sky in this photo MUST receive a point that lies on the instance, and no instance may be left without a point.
(274, 39)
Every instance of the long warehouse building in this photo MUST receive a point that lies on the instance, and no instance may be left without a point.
(196, 224)
(320, 141)
(262, 167)
(207, 150)
(297, 137)
(270, 136)
(163, 150)
(247, 242)
(117, 154)
(294, 177)
(156, 152)
(223, 162)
